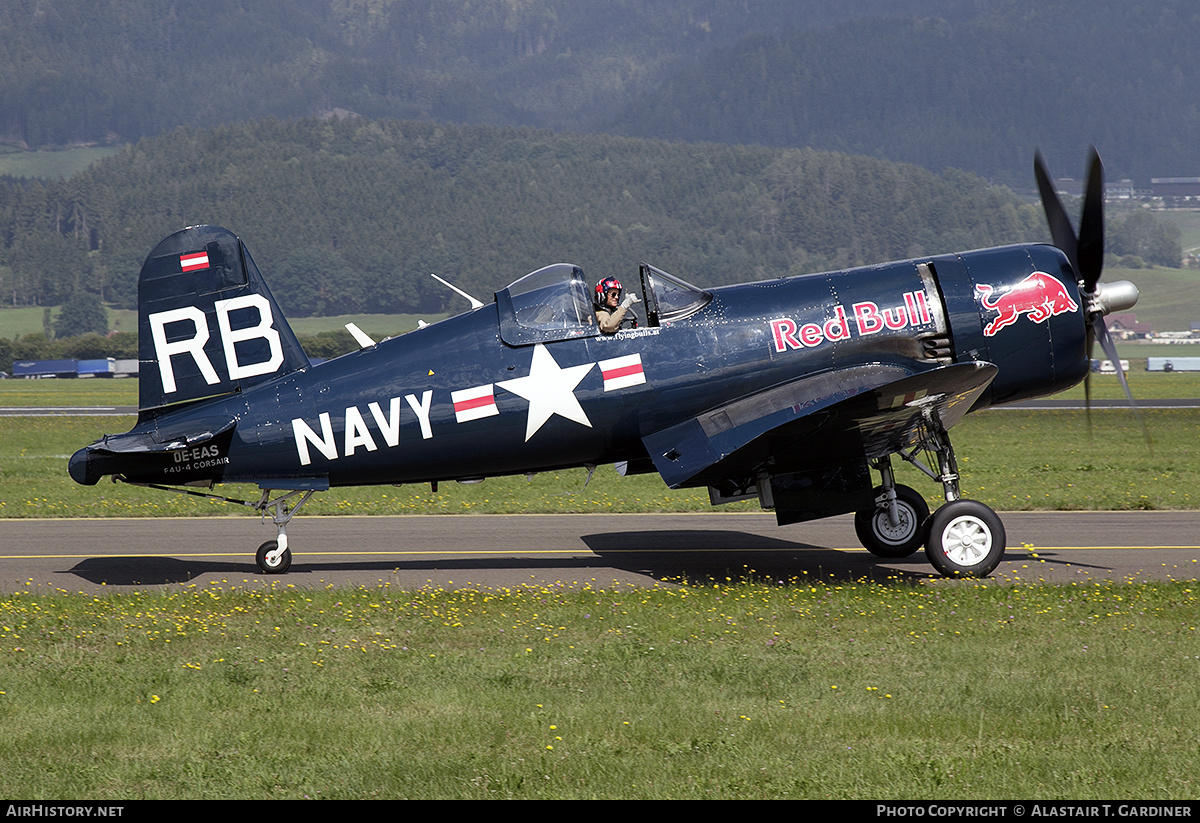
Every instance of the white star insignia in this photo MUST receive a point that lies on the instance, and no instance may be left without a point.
(550, 390)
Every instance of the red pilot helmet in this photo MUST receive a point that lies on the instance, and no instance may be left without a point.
(605, 286)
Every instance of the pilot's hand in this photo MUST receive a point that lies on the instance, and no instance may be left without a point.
(629, 300)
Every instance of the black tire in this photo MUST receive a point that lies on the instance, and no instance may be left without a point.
(282, 565)
(966, 539)
(880, 538)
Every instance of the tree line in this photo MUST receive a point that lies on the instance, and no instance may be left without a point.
(86, 72)
(353, 215)
(938, 83)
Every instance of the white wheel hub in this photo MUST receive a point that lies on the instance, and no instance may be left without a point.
(966, 540)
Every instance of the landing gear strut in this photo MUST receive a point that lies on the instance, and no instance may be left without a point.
(896, 526)
(274, 556)
(963, 538)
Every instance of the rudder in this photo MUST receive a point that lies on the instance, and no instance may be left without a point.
(207, 324)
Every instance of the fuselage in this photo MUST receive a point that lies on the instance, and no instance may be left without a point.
(795, 391)
(454, 400)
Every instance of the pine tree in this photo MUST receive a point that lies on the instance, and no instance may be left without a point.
(81, 314)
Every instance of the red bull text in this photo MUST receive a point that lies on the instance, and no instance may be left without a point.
(863, 319)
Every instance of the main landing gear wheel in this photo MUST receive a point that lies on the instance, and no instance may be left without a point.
(883, 538)
(966, 539)
(271, 561)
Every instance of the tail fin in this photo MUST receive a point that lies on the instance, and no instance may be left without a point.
(207, 324)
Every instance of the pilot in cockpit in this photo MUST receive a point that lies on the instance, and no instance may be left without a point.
(613, 311)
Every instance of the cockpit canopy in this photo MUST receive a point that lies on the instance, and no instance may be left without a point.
(555, 303)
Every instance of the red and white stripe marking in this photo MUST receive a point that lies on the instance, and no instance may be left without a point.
(897, 402)
(474, 403)
(194, 262)
(622, 372)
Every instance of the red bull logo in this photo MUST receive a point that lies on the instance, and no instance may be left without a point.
(1040, 295)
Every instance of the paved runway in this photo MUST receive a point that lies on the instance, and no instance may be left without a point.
(598, 550)
(68, 411)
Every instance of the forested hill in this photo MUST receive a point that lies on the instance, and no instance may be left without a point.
(354, 215)
(979, 93)
(120, 70)
(969, 84)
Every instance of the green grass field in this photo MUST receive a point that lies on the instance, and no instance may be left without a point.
(1009, 459)
(88, 392)
(51, 165)
(123, 392)
(1188, 221)
(722, 689)
(771, 690)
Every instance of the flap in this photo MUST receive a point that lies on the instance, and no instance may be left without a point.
(831, 418)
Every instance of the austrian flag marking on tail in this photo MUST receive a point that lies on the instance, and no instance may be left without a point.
(193, 262)
(474, 403)
(622, 372)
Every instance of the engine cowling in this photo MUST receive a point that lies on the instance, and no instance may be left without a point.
(1021, 308)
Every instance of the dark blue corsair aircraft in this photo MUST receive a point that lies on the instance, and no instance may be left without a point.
(789, 390)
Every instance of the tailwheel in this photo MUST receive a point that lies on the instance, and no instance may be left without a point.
(274, 556)
(966, 539)
(271, 559)
(887, 533)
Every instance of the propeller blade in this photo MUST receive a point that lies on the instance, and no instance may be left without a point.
(1061, 231)
(1087, 378)
(1100, 330)
(1090, 249)
(1085, 252)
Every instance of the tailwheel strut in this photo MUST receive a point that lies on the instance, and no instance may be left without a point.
(274, 556)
